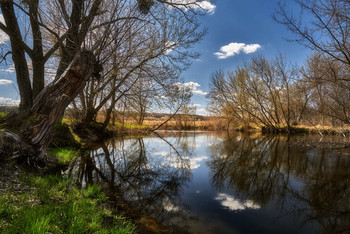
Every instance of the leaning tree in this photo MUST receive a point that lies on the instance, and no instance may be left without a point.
(43, 32)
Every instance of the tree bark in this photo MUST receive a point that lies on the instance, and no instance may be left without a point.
(49, 106)
(38, 60)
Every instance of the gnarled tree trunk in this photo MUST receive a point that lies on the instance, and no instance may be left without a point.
(49, 105)
(37, 127)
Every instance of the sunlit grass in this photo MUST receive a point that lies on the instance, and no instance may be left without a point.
(132, 126)
(64, 155)
(2, 114)
(54, 205)
(67, 121)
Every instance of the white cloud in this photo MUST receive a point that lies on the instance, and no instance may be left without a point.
(199, 92)
(196, 162)
(9, 69)
(193, 162)
(169, 205)
(199, 111)
(161, 97)
(5, 82)
(3, 36)
(192, 87)
(202, 111)
(2, 20)
(236, 48)
(233, 204)
(9, 101)
(170, 45)
(195, 105)
(203, 5)
(162, 153)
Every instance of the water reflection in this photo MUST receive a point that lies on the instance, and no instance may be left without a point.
(144, 180)
(309, 183)
(207, 183)
(233, 204)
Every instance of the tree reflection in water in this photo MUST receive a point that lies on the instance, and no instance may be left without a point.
(311, 183)
(290, 177)
(140, 182)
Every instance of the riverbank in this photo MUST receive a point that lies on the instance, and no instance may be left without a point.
(36, 203)
(295, 129)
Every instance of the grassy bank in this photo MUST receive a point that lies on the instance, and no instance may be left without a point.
(35, 203)
(2, 115)
(295, 129)
(51, 204)
(127, 129)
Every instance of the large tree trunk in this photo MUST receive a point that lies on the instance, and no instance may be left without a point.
(38, 60)
(36, 128)
(50, 104)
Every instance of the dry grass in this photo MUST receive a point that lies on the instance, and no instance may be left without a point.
(325, 130)
(212, 124)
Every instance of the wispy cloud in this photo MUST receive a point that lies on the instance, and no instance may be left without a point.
(193, 162)
(3, 36)
(236, 48)
(9, 101)
(195, 105)
(9, 69)
(196, 162)
(204, 5)
(202, 111)
(234, 204)
(5, 82)
(192, 87)
(161, 153)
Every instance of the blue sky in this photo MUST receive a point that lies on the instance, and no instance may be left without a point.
(240, 21)
(244, 26)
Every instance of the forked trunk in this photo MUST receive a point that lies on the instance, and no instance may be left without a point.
(50, 104)
(35, 128)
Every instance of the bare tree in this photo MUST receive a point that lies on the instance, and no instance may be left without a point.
(260, 92)
(323, 25)
(329, 88)
(152, 52)
(186, 118)
(60, 30)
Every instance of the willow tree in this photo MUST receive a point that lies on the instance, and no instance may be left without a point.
(151, 52)
(57, 32)
(263, 92)
(324, 27)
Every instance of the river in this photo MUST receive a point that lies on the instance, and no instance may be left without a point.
(206, 182)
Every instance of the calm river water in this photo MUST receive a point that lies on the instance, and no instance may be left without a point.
(200, 182)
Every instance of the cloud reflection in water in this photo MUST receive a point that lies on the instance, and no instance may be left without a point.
(233, 204)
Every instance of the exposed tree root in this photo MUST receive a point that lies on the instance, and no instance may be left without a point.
(14, 148)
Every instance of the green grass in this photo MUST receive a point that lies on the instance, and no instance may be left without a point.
(2, 114)
(54, 205)
(64, 155)
(132, 126)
